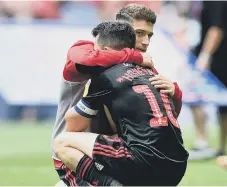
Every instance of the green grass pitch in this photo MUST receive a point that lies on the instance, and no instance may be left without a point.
(25, 158)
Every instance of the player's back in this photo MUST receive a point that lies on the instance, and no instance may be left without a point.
(145, 118)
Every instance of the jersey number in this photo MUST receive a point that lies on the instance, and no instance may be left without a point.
(159, 119)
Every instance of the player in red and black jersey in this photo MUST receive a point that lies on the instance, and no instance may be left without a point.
(150, 146)
(85, 53)
(73, 87)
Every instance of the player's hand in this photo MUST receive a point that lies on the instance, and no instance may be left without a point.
(202, 65)
(164, 84)
(203, 61)
(147, 61)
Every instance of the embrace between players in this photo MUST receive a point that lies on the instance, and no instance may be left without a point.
(130, 110)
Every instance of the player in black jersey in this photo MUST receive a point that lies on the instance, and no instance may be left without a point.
(149, 148)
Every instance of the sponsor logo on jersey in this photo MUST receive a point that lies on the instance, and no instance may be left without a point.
(99, 166)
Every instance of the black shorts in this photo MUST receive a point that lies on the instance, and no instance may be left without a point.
(221, 75)
(119, 162)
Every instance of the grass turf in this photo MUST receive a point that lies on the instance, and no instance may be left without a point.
(25, 158)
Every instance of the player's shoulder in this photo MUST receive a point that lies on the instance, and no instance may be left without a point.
(121, 67)
(113, 73)
(79, 46)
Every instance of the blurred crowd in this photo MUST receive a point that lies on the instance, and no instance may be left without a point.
(182, 13)
(87, 12)
(75, 10)
(62, 9)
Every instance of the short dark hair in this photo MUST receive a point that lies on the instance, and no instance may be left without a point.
(115, 35)
(100, 27)
(136, 12)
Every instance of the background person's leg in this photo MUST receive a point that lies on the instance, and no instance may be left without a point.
(200, 149)
(222, 161)
(223, 129)
(199, 117)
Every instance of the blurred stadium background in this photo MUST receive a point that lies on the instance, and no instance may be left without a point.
(34, 39)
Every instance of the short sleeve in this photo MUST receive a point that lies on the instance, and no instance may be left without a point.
(90, 70)
(215, 10)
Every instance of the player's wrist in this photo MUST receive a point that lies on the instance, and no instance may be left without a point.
(204, 56)
(137, 57)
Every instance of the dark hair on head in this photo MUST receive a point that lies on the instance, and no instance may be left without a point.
(115, 35)
(137, 12)
(100, 27)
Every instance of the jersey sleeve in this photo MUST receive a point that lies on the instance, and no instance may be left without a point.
(89, 70)
(83, 53)
(215, 9)
(177, 99)
(99, 93)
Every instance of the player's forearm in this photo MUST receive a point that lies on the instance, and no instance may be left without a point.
(75, 122)
(212, 41)
(67, 156)
(177, 99)
(111, 57)
(74, 125)
(83, 53)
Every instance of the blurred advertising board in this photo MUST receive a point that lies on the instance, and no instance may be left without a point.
(33, 55)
